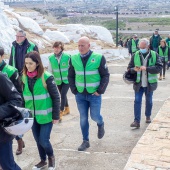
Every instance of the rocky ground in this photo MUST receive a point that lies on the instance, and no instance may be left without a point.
(109, 153)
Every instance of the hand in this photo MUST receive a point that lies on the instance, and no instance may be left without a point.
(96, 94)
(137, 69)
(55, 121)
(143, 68)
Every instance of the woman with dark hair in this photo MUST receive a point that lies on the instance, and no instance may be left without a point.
(58, 66)
(42, 97)
(164, 53)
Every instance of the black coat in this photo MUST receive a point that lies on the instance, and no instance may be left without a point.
(20, 52)
(8, 95)
(150, 69)
(103, 71)
(52, 89)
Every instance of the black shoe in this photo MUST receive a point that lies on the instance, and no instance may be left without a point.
(135, 124)
(42, 164)
(148, 120)
(101, 131)
(84, 146)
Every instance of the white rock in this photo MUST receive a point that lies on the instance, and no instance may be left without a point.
(56, 36)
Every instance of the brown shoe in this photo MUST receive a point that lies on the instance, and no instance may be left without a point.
(51, 163)
(160, 78)
(66, 111)
(135, 124)
(163, 77)
(21, 145)
(148, 120)
(61, 115)
(41, 165)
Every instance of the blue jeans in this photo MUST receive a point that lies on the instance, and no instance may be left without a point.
(138, 103)
(6, 157)
(84, 103)
(41, 133)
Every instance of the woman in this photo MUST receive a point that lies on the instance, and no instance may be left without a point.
(164, 53)
(58, 66)
(42, 97)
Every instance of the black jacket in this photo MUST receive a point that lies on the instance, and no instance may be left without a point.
(52, 89)
(8, 95)
(14, 78)
(20, 52)
(103, 71)
(150, 69)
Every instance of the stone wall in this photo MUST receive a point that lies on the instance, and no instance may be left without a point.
(152, 151)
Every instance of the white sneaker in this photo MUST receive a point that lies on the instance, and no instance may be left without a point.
(41, 165)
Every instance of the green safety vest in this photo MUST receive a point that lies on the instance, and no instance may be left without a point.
(40, 102)
(165, 54)
(134, 46)
(89, 76)
(9, 70)
(60, 70)
(168, 43)
(29, 49)
(152, 78)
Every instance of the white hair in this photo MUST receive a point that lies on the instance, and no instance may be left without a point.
(144, 40)
(22, 32)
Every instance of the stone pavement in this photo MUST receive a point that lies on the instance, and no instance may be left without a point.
(111, 152)
(152, 151)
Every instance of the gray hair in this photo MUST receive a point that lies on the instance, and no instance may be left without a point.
(22, 31)
(144, 40)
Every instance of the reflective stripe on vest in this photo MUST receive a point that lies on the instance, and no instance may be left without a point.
(134, 46)
(152, 78)
(9, 70)
(163, 54)
(29, 49)
(89, 76)
(40, 101)
(60, 70)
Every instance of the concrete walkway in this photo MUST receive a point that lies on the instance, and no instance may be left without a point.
(113, 151)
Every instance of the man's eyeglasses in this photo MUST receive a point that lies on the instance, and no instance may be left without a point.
(19, 36)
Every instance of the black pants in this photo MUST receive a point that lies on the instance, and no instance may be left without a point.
(163, 68)
(63, 89)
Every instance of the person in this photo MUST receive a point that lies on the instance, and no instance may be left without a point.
(126, 43)
(168, 40)
(8, 96)
(42, 97)
(164, 53)
(133, 44)
(155, 41)
(58, 66)
(146, 64)
(12, 74)
(88, 78)
(121, 42)
(20, 47)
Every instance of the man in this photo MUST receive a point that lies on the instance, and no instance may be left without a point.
(12, 74)
(133, 44)
(8, 96)
(20, 47)
(146, 64)
(88, 78)
(168, 40)
(121, 42)
(155, 41)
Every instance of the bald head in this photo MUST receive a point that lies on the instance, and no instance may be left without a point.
(84, 45)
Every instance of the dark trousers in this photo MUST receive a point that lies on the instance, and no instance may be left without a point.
(41, 133)
(6, 157)
(63, 89)
(163, 68)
